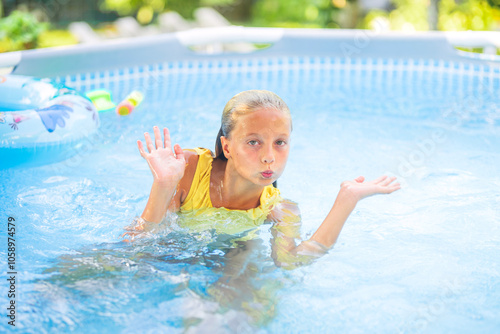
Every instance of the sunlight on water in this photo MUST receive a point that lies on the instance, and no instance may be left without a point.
(424, 259)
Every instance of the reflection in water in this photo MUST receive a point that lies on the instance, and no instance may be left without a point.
(167, 280)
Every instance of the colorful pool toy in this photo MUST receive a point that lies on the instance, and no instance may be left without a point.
(102, 100)
(42, 121)
(129, 103)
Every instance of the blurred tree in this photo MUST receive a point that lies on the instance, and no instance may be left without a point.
(409, 15)
(234, 10)
(467, 15)
(145, 10)
(20, 30)
(494, 3)
(301, 13)
(434, 14)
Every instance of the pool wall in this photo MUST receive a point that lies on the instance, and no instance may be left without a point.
(125, 53)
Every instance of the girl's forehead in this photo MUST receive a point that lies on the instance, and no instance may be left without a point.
(264, 118)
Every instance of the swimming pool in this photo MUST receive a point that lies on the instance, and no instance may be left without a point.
(424, 259)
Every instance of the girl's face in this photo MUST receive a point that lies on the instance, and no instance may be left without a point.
(259, 145)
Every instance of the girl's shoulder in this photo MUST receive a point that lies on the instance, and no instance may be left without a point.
(192, 157)
(198, 151)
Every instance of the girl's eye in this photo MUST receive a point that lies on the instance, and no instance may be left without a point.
(253, 142)
(280, 142)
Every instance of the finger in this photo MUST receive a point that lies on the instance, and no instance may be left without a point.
(141, 149)
(387, 181)
(380, 179)
(391, 188)
(179, 153)
(130, 235)
(149, 143)
(395, 187)
(158, 142)
(359, 179)
(126, 234)
(166, 135)
(129, 229)
(129, 240)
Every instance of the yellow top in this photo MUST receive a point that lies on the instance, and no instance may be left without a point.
(198, 215)
(198, 204)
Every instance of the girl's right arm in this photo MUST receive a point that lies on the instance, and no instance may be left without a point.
(173, 172)
(167, 167)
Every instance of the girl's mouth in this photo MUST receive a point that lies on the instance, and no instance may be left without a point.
(267, 174)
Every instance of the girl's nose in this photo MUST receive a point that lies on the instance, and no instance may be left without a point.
(268, 156)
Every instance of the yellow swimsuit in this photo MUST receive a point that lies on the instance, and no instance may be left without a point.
(202, 215)
(198, 215)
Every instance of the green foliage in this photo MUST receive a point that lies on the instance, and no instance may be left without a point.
(20, 30)
(468, 15)
(217, 2)
(371, 18)
(51, 38)
(452, 15)
(494, 3)
(406, 15)
(409, 15)
(144, 10)
(295, 13)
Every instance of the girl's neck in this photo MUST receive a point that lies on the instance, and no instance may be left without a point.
(230, 191)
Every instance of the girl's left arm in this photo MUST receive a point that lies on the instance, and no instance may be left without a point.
(286, 218)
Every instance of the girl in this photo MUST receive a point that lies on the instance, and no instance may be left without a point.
(251, 153)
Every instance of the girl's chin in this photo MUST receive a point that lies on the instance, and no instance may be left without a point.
(266, 181)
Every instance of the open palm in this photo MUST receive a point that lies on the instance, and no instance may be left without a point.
(166, 165)
(361, 189)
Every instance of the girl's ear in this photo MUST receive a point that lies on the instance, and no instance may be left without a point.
(225, 147)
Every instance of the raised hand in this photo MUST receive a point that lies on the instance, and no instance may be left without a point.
(166, 165)
(359, 189)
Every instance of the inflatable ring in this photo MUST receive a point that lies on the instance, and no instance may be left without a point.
(41, 121)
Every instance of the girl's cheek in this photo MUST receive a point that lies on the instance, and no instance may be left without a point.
(251, 149)
(283, 150)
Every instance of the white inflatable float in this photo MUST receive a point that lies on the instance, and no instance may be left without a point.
(41, 121)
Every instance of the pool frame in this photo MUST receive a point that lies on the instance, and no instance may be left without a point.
(63, 63)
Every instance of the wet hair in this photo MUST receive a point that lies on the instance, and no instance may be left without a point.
(244, 103)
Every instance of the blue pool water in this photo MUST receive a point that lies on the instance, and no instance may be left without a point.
(421, 260)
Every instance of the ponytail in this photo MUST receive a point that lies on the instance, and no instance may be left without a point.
(219, 152)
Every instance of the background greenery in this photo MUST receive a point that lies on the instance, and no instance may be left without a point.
(42, 23)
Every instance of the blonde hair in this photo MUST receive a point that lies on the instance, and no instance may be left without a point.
(244, 103)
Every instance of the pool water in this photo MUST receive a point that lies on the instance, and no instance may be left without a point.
(423, 259)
